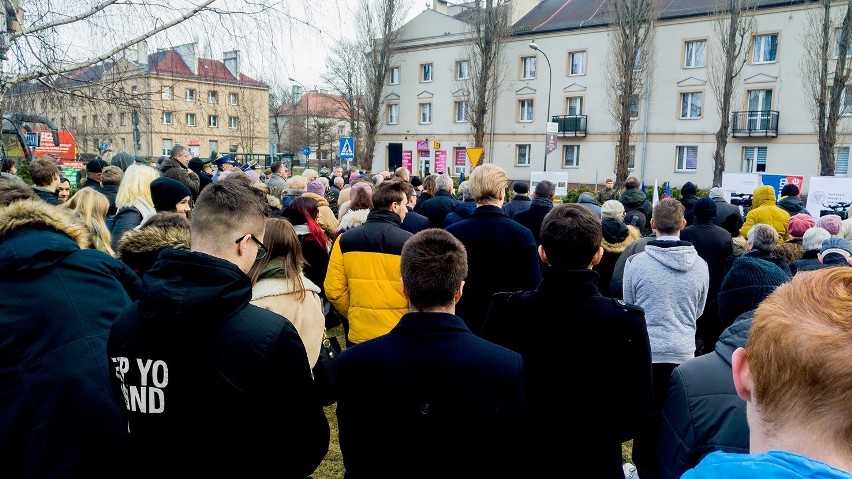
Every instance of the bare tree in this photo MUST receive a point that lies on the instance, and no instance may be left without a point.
(630, 61)
(818, 42)
(489, 29)
(346, 76)
(378, 34)
(733, 31)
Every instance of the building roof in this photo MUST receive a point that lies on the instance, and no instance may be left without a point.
(555, 15)
(321, 105)
(168, 62)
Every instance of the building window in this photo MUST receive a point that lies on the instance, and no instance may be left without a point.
(846, 101)
(571, 156)
(634, 107)
(765, 48)
(837, 36)
(425, 113)
(426, 72)
(122, 119)
(841, 157)
(190, 119)
(123, 143)
(575, 105)
(461, 111)
(166, 93)
(687, 158)
(637, 61)
(134, 89)
(525, 110)
(694, 53)
(233, 98)
(462, 70)
(167, 118)
(73, 122)
(527, 68)
(690, 105)
(190, 94)
(213, 121)
(577, 63)
(522, 156)
(393, 76)
(94, 121)
(109, 119)
(233, 122)
(213, 97)
(754, 159)
(214, 146)
(631, 160)
(393, 114)
(167, 146)
(84, 122)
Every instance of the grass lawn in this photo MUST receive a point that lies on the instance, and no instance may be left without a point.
(332, 466)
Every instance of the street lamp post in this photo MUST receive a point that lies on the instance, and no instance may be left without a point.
(307, 112)
(534, 46)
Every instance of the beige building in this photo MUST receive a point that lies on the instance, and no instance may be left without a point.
(425, 97)
(146, 103)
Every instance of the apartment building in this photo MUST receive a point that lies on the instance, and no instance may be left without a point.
(772, 131)
(146, 103)
(315, 118)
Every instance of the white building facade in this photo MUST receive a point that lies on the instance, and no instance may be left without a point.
(674, 132)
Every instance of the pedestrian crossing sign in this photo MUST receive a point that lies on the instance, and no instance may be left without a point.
(347, 148)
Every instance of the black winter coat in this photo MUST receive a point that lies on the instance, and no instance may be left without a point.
(58, 417)
(502, 255)
(728, 216)
(614, 333)
(437, 208)
(533, 217)
(702, 412)
(224, 376)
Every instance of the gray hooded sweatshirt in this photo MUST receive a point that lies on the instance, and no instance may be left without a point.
(670, 282)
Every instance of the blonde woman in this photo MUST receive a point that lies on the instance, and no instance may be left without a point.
(90, 208)
(133, 200)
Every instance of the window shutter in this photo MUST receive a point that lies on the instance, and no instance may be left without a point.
(842, 161)
(691, 157)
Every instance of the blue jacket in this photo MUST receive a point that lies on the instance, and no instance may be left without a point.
(431, 399)
(58, 417)
(414, 222)
(516, 204)
(438, 207)
(502, 255)
(770, 465)
(462, 211)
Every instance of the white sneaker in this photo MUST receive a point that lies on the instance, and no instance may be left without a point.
(630, 471)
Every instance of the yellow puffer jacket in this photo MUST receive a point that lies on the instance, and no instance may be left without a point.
(364, 281)
(763, 210)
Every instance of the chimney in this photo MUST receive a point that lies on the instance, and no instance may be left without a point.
(142, 52)
(188, 55)
(232, 62)
(440, 6)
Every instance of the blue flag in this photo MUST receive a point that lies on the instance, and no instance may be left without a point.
(643, 186)
(668, 190)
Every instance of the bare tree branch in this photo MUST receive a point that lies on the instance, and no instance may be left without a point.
(65, 21)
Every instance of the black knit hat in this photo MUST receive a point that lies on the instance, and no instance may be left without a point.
(195, 164)
(521, 187)
(122, 159)
(749, 281)
(688, 188)
(790, 190)
(704, 208)
(416, 181)
(166, 192)
(96, 166)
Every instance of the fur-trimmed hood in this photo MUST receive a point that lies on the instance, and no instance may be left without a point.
(139, 248)
(277, 286)
(617, 235)
(353, 218)
(22, 250)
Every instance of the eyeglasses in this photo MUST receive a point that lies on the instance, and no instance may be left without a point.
(261, 249)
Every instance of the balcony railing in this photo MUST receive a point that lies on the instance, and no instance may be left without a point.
(571, 125)
(755, 123)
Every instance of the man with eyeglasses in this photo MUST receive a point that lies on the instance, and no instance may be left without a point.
(176, 167)
(194, 363)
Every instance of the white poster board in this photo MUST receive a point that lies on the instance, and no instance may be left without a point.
(558, 178)
(825, 190)
(739, 183)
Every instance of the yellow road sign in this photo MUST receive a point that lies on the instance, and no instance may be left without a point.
(475, 155)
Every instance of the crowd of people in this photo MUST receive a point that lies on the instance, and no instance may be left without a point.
(168, 316)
